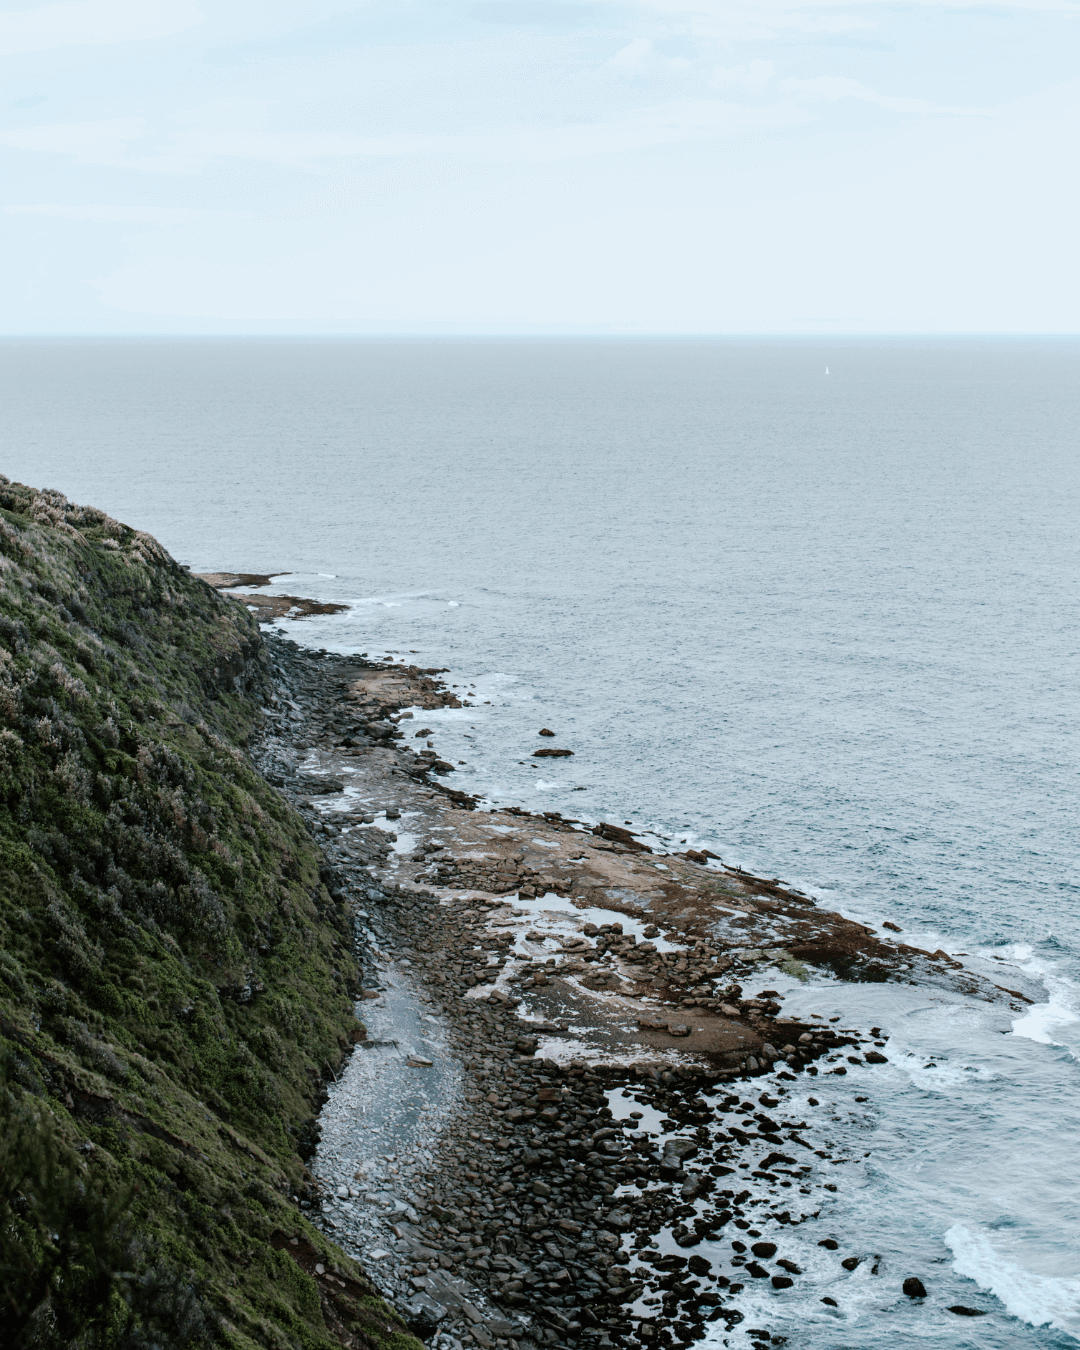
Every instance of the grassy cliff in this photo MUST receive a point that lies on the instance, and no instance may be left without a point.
(175, 978)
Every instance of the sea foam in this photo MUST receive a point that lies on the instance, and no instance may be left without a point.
(1036, 1299)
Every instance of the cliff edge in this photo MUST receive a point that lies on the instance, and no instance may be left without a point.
(176, 981)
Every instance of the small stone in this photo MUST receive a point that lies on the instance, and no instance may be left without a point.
(874, 1057)
(542, 1189)
(831, 1245)
(782, 1281)
(545, 732)
(851, 1262)
(678, 1029)
(914, 1287)
(961, 1311)
(764, 1249)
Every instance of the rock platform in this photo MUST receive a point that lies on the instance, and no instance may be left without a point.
(579, 1116)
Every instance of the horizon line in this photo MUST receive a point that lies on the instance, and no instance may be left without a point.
(560, 334)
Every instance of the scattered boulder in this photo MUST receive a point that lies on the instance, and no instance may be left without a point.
(615, 834)
(424, 1315)
(545, 732)
(961, 1311)
(679, 1149)
(549, 752)
(914, 1287)
(764, 1249)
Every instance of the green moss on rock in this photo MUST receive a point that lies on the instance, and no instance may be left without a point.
(175, 980)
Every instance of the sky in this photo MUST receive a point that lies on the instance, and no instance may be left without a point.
(539, 166)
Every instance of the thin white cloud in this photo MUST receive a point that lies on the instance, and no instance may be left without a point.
(754, 78)
(132, 143)
(233, 130)
(115, 215)
(634, 55)
(93, 23)
(640, 57)
(711, 22)
(104, 142)
(832, 88)
(686, 11)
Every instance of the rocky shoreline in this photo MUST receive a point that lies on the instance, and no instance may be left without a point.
(580, 1115)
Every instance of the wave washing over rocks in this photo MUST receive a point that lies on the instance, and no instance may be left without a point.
(579, 1115)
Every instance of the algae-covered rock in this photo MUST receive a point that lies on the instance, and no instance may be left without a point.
(175, 980)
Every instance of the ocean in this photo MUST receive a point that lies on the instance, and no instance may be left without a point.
(826, 625)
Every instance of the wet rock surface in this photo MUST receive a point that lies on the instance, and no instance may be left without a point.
(575, 1117)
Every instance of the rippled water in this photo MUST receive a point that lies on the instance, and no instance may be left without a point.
(825, 625)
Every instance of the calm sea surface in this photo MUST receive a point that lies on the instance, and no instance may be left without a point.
(825, 624)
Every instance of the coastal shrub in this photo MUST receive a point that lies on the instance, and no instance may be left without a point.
(167, 960)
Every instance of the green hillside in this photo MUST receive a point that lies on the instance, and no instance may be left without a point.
(175, 979)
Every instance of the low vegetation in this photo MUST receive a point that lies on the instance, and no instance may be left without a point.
(176, 979)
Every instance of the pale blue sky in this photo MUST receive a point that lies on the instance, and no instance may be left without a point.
(539, 166)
